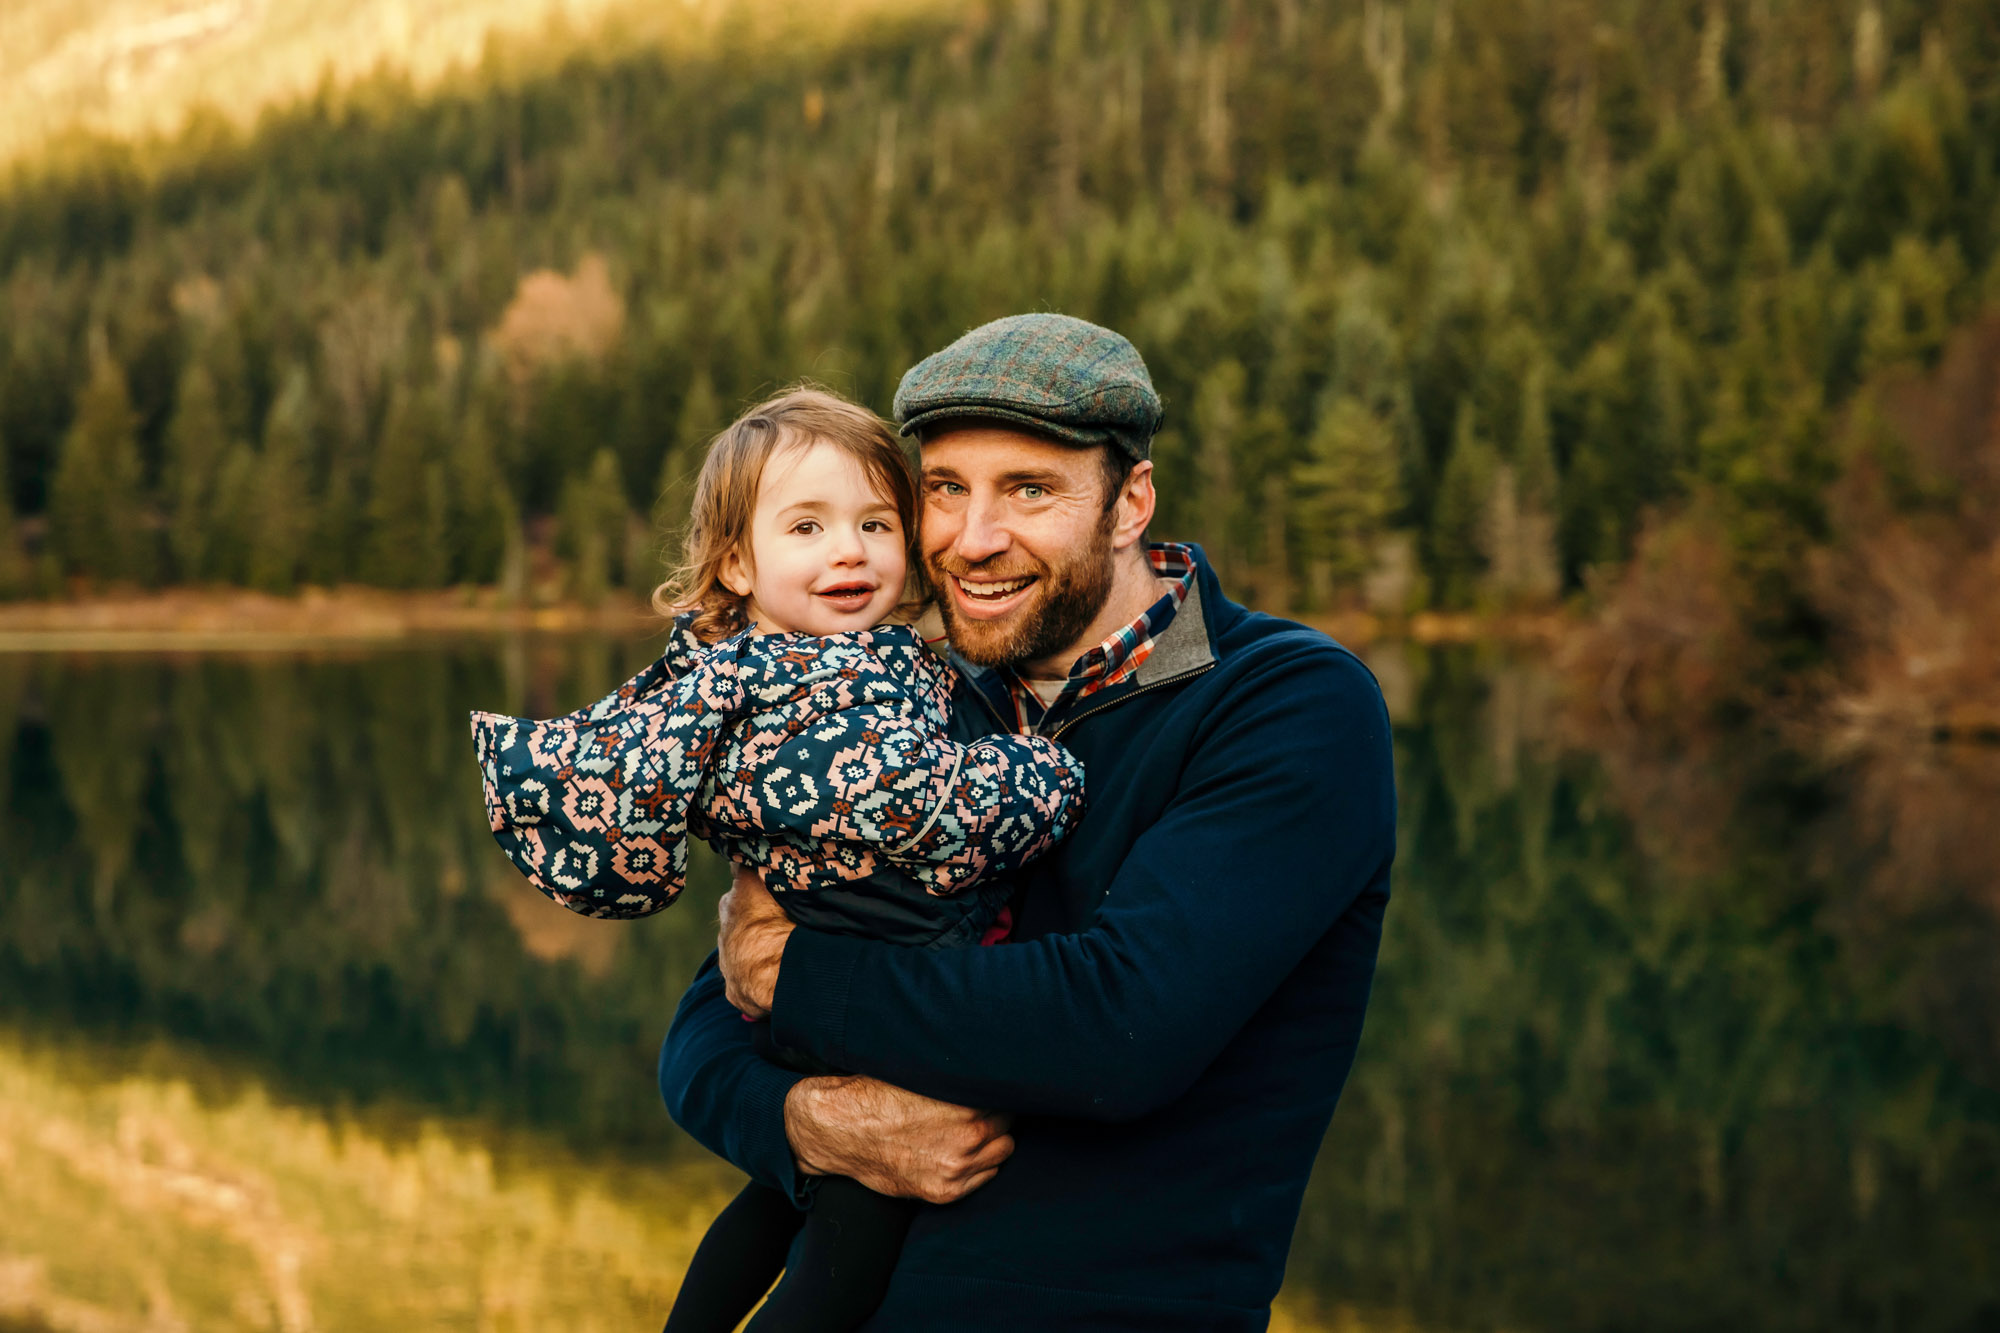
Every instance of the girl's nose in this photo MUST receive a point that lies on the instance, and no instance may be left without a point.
(847, 547)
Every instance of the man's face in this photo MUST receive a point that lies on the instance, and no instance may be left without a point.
(1017, 540)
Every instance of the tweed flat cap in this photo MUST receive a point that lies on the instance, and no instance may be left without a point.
(1061, 377)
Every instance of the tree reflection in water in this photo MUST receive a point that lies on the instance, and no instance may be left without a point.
(1660, 1040)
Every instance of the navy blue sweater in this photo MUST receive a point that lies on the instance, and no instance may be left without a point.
(1171, 1025)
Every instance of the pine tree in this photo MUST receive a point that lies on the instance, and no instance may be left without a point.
(1346, 492)
(280, 512)
(701, 418)
(1460, 523)
(196, 447)
(97, 512)
(406, 499)
(233, 514)
(14, 578)
(483, 513)
(1218, 427)
(1521, 512)
(592, 515)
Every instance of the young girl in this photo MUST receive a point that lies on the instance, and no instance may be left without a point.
(795, 731)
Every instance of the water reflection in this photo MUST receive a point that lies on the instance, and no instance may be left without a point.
(149, 1190)
(1659, 1041)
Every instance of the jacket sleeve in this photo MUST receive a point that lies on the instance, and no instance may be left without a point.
(727, 1097)
(862, 763)
(1283, 817)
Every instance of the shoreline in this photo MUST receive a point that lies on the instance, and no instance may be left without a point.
(236, 620)
(240, 620)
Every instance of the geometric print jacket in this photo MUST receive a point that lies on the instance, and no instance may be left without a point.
(824, 762)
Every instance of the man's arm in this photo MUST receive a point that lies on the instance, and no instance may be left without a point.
(782, 1128)
(1285, 814)
(718, 1089)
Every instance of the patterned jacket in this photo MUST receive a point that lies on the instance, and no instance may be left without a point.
(824, 762)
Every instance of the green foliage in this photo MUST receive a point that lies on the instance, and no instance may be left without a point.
(280, 514)
(13, 559)
(97, 516)
(196, 448)
(1651, 252)
(594, 518)
(1461, 546)
(409, 506)
(1347, 493)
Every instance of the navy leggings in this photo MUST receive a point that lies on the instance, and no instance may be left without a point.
(852, 1239)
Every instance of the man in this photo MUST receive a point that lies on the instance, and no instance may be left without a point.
(1172, 1020)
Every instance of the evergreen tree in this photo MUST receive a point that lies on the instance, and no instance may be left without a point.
(1347, 492)
(13, 559)
(701, 419)
(281, 516)
(1521, 511)
(484, 517)
(1461, 532)
(98, 524)
(234, 514)
(593, 518)
(196, 447)
(1219, 425)
(407, 509)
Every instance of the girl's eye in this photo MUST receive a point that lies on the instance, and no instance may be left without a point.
(878, 525)
(805, 527)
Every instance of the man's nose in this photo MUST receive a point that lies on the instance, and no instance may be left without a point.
(983, 536)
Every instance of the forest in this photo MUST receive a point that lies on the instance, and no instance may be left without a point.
(1448, 303)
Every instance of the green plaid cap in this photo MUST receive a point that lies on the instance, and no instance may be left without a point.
(1061, 377)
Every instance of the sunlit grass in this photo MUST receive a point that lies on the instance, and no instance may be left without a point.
(138, 1201)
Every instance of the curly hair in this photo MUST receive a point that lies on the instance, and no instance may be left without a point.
(725, 497)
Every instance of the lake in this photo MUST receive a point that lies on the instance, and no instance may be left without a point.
(1663, 1038)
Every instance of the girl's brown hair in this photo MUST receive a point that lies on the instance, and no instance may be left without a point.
(725, 497)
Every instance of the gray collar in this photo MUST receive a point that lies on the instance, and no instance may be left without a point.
(1182, 646)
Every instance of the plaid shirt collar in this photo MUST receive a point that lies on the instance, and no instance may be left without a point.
(1119, 656)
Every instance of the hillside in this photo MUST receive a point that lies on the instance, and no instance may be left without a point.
(1445, 301)
(142, 68)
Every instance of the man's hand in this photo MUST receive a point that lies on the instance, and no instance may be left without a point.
(752, 943)
(892, 1141)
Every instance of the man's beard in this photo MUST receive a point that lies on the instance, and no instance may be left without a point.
(1068, 597)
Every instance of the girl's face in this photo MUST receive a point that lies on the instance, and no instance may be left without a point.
(827, 552)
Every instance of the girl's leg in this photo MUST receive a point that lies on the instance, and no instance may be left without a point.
(736, 1261)
(852, 1239)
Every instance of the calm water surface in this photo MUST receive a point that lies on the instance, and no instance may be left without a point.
(1691, 1041)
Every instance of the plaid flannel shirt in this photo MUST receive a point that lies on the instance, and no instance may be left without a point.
(1118, 656)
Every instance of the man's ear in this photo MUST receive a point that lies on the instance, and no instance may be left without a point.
(735, 573)
(1134, 510)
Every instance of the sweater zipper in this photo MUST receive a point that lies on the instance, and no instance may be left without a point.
(1158, 684)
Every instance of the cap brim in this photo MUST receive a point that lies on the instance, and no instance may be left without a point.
(1081, 437)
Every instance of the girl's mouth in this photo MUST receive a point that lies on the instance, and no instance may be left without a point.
(847, 596)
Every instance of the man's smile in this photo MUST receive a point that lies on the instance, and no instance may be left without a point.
(989, 599)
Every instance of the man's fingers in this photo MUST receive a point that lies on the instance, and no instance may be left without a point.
(972, 1184)
(989, 1157)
